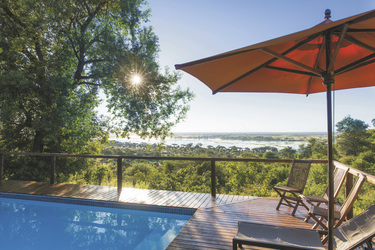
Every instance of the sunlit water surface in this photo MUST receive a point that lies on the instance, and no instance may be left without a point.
(28, 224)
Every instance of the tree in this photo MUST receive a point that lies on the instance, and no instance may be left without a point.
(56, 58)
(315, 148)
(352, 139)
(349, 124)
(288, 152)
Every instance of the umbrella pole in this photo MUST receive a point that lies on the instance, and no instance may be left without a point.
(329, 79)
(331, 201)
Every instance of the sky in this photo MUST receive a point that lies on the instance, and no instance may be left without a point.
(193, 29)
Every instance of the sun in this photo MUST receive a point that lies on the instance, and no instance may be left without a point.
(136, 79)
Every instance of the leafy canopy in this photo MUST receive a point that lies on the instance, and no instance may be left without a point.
(58, 58)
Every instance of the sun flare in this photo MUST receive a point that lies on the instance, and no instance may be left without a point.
(136, 79)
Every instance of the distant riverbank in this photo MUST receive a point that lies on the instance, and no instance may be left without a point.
(228, 140)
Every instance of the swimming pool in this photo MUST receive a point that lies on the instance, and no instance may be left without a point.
(34, 222)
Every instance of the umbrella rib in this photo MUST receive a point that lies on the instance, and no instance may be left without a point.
(354, 65)
(316, 64)
(266, 63)
(300, 72)
(338, 46)
(213, 58)
(244, 75)
(360, 30)
(287, 59)
(360, 44)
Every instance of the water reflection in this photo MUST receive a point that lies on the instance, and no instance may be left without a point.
(46, 225)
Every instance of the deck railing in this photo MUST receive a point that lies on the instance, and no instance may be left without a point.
(120, 158)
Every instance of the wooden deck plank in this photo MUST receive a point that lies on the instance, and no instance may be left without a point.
(187, 197)
(193, 199)
(177, 198)
(163, 198)
(174, 199)
(207, 202)
(199, 199)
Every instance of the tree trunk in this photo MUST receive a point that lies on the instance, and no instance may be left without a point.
(38, 142)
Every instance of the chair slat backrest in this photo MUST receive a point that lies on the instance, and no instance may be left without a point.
(339, 177)
(350, 199)
(298, 174)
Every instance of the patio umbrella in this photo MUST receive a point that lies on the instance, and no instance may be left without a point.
(338, 54)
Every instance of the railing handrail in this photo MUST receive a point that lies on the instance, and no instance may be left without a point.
(370, 178)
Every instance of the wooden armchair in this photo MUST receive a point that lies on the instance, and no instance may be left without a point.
(296, 184)
(339, 177)
(320, 215)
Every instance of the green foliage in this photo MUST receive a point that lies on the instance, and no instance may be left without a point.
(288, 153)
(353, 138)
(237, 178)
(57, 57)
(315, 149)
(349, 124)
(355, 147)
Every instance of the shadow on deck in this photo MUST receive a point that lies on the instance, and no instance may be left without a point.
(213, 225)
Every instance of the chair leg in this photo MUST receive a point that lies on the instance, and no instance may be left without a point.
(281, 200)
(295, 208)
(304, 205)
(234, 244)
(324, 239)
(319, 222)
(307, 218)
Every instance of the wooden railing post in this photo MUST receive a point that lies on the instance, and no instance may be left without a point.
(1, 166)
(348, 187)
(213, 180)
(119, 175)
(53, 169)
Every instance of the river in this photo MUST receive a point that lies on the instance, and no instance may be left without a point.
(215, 141)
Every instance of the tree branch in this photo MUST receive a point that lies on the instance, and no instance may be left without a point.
(91, 16)
(73, 47)
(95, 39)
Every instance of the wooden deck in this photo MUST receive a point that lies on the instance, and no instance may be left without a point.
(128, 195)
(213, 225)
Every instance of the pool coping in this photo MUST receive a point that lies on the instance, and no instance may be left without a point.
(100, 203)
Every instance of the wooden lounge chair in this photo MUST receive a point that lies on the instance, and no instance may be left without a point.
(320, 215)
(295, 185)
(358, 231)
(339, 177)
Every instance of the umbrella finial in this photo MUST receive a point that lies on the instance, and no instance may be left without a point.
(327, 14)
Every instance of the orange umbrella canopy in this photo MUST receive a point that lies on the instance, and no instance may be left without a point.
(296, 63)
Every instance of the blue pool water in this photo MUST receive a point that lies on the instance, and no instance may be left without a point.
(30, 224)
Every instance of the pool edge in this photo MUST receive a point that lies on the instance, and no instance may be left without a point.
(100, 203)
